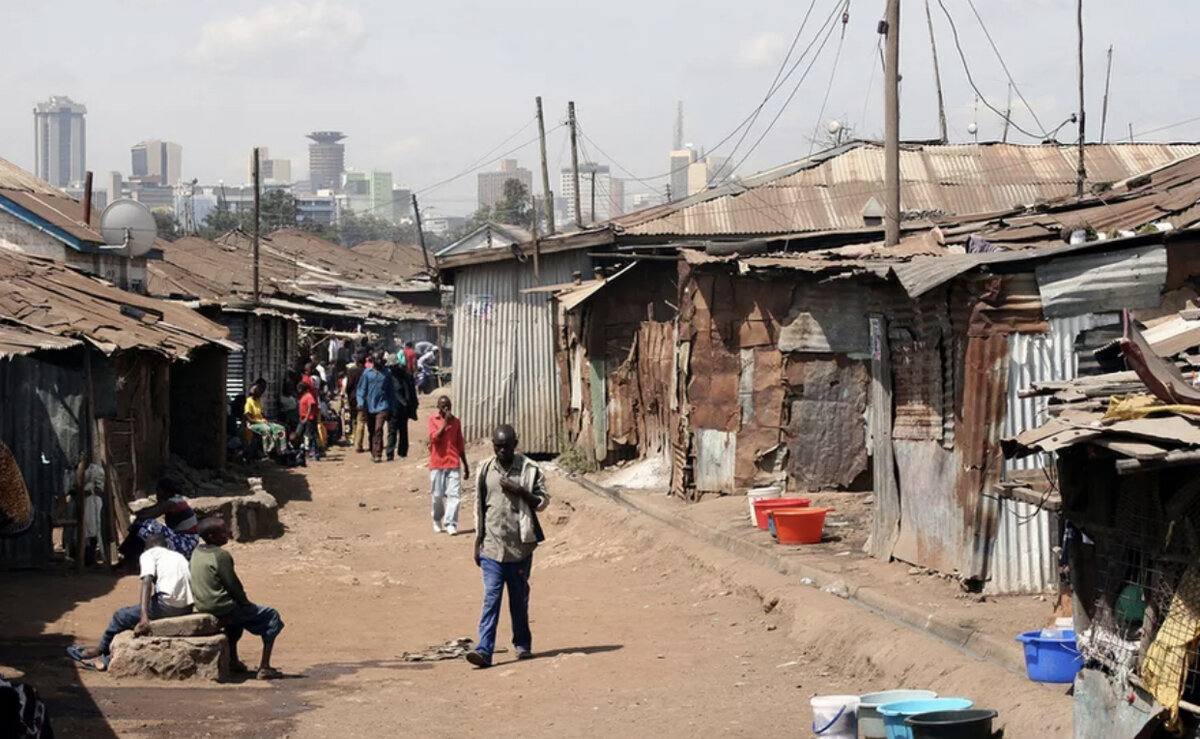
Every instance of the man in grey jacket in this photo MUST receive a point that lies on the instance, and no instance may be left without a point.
(509, 491)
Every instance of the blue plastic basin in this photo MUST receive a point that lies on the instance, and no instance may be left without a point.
(1051, 659)
(895, 713)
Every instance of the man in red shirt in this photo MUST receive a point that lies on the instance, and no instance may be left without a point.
(410, 358)
(446, 452)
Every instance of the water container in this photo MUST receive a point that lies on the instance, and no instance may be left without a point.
(965, 724)
(894, 714)
(766, 493)
(835, 716)
(1051, 659)
(870, 723)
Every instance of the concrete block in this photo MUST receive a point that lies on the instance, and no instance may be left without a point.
(170, 658)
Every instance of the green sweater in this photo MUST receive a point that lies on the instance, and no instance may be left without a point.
(215, 586)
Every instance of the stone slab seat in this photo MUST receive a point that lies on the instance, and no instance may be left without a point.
(182, 648)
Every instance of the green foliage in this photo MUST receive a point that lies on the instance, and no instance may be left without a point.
(573, 459)
(354, 229)
(513, 208)
(168, 226)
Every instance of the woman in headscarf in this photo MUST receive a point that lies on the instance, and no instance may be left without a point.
(16, 510)
(179, 529)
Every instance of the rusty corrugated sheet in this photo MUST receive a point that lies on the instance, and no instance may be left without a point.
(917, 390)
(828, 191)
(656, 370)
(826, 434)
(505, 370)
(716, 452)
(17, 341)
(1023, 558)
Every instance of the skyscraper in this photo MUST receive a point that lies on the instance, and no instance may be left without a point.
(60, 141)
(270, 170)
(681, 161)
(597, 178)
(158, 162)
(491, 184)
(326, 160)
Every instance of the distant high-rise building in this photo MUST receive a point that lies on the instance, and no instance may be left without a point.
(326, 160)
(116, 188)
(709, 170)
(616, 197)
(157, 162)
(491, 184)
(270, 170)
(401, 203)
(592, 177)
(646, 200)
(381, 195)
(356, 192)
(681, 160)
(60, 141)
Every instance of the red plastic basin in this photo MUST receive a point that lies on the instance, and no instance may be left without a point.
(799, 525)
(762, 506)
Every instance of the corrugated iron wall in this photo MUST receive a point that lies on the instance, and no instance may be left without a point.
(505, 369)
(42, 424)
(1023, 558)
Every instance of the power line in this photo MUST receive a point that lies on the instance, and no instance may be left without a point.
(871, 80)
(786, 102)
(966, 68)
(832, 75)
(1003, 66)
(1166, 127)
(483, 160)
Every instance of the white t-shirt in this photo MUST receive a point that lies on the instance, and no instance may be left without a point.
(172, 576)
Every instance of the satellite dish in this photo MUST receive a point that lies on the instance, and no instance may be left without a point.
(128, 228)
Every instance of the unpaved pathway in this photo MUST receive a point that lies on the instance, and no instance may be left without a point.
(639, 631)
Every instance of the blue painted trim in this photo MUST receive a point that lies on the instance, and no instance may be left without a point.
(24, 214)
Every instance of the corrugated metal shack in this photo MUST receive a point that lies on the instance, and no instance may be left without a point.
(85, 365)
(304, 280)
(1127, 449)
(505, 369)
(829, 364)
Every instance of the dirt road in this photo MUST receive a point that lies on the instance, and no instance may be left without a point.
(638, 631)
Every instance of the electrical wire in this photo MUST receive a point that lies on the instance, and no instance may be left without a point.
(783, 107)
(483, 160)
(1166, 127)
(871, 81)
(1004, 66)
(966, 68)
(832, 75)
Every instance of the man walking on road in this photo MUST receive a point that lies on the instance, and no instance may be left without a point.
(375, 395)
(358, 418)
(510, 490)
(447, 451)
(404, 408)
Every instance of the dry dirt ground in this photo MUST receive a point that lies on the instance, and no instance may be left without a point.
(639, 631)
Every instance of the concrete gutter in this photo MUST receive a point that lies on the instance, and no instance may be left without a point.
(972, 642)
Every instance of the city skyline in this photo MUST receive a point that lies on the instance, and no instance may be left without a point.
(261, 83)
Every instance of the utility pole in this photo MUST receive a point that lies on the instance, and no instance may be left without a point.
(937, 79)
(421, 238)
(891, 157)
(1104, 106)
(533, 227)
(1007, 115)
(574, 163)
(549, 201)
(1082, 172)
(87, 199)
(257, 205)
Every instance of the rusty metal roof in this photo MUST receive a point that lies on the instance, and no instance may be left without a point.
(42, 296)
(405, 259)
(48, 204)
(828, 191)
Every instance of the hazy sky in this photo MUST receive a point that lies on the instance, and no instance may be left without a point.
(424, 89)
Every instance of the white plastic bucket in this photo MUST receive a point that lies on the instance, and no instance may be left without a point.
(835, 716)
(774, 491)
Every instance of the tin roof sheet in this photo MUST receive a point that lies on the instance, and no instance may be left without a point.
(47, 202)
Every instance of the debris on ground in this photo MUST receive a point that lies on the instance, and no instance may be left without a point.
(453, 649)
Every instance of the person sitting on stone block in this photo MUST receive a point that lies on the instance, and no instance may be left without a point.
(219, 591)
(166, 592)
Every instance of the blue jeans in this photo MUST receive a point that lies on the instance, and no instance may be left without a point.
(496, 576)
(258, 620)
(124, 619)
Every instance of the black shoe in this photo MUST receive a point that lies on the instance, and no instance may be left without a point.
(476, 658)
(391, 457)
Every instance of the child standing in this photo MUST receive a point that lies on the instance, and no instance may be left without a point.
(310, 416)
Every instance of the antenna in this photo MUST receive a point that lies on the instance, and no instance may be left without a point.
(128, 228)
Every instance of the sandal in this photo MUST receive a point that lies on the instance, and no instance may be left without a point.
(268, 673)
(97, 664)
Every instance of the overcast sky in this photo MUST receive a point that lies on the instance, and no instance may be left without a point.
(424, 89)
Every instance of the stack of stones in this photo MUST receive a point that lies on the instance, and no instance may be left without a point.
(182, 648)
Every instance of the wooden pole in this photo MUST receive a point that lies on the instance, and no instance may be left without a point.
(575, 163)
(537, 249)
(1081, 174)
(257, 209)
(87, 199)
(88, 443)
(937, 78)
(549, 201)
(1104, 106)
(421, 239)
(593, 217)
(891, 157)
(1007, 115)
